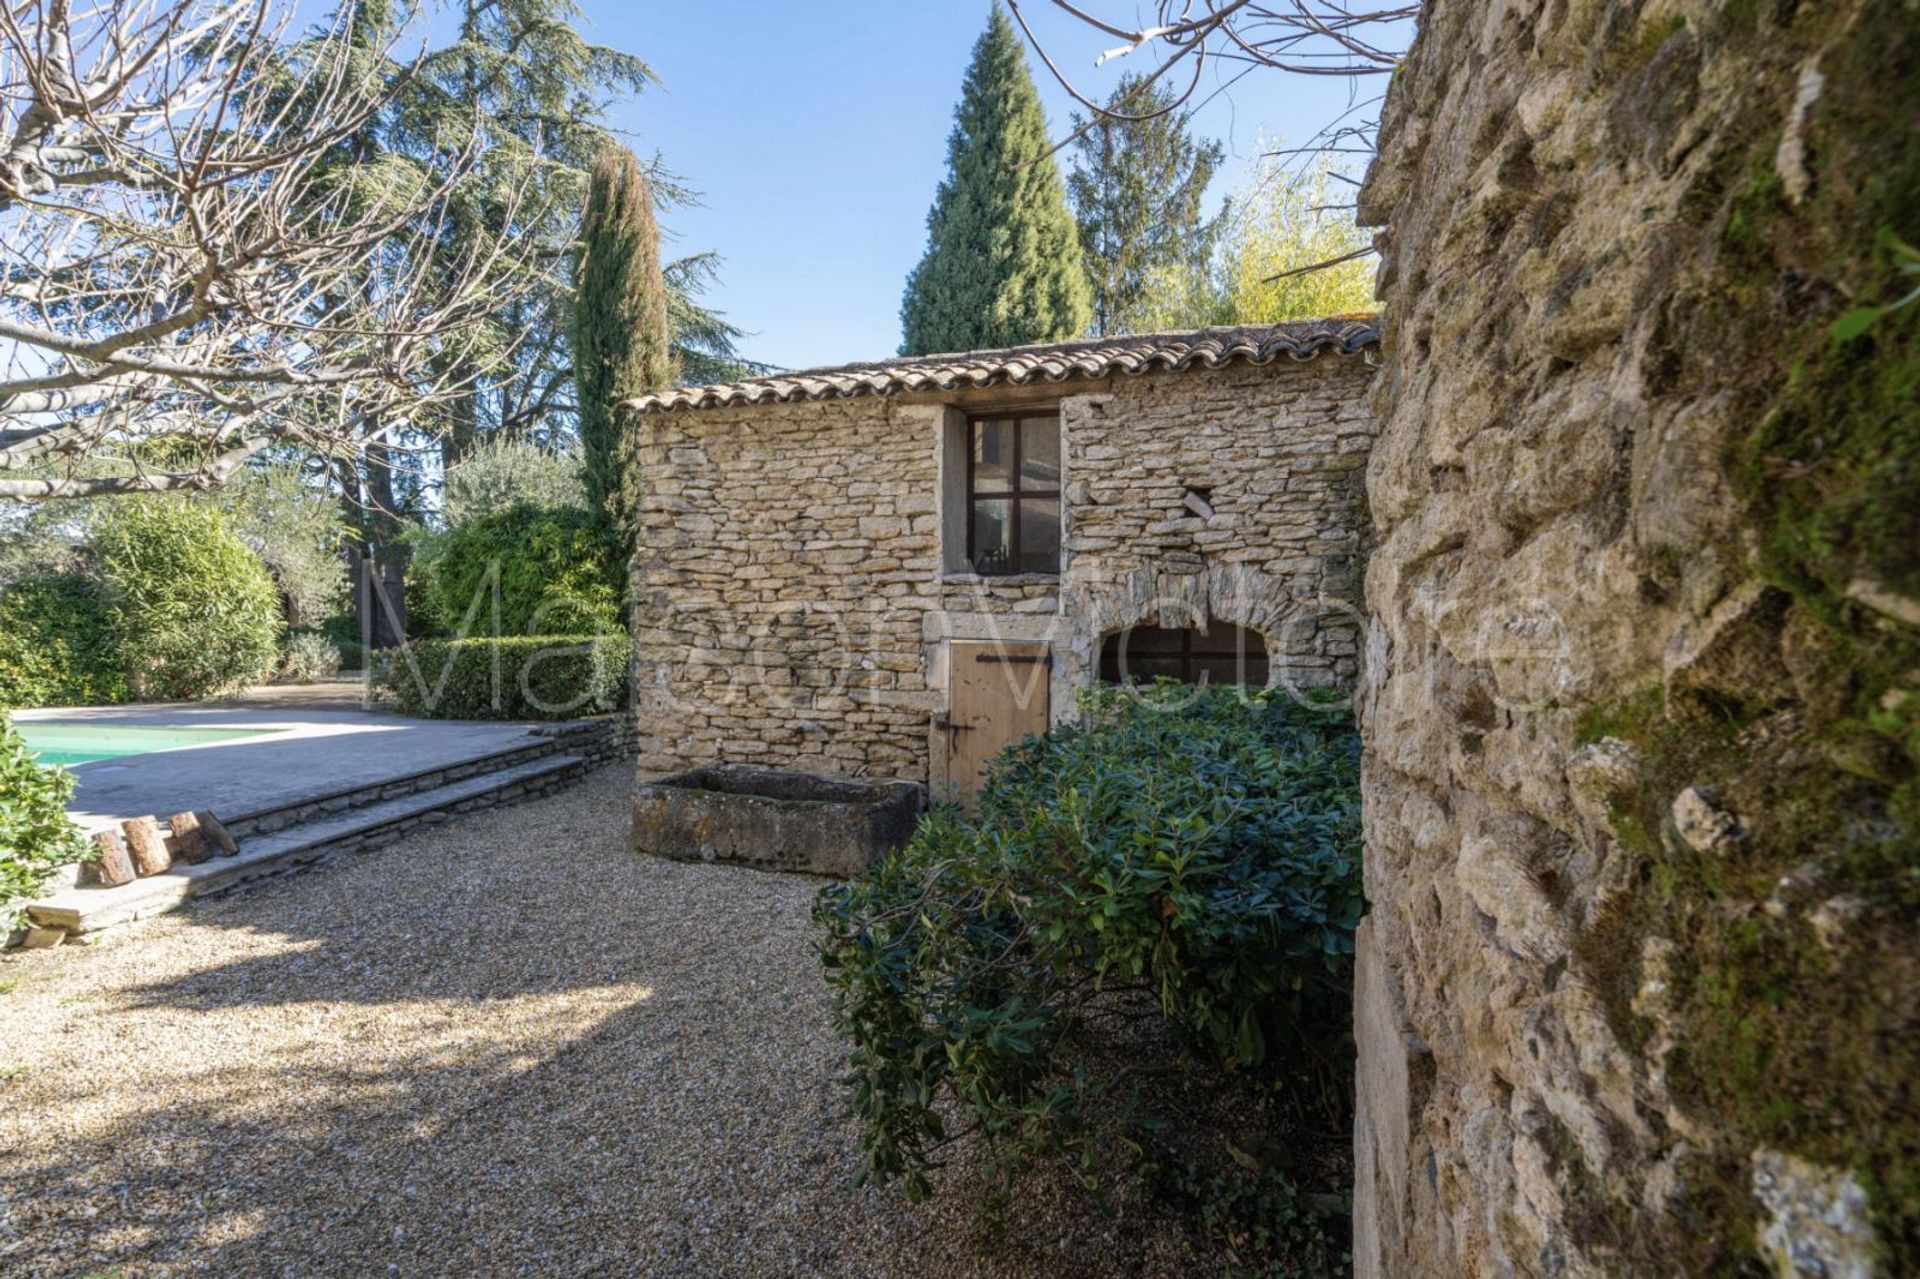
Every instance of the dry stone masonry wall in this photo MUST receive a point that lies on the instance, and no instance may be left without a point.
(788, 555)
(1640, 990)
(791, 598)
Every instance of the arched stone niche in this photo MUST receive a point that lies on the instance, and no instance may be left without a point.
(1310, 642)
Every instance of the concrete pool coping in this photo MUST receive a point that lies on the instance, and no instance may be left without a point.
(300, 753)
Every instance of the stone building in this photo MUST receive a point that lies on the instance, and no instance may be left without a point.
(895, 569)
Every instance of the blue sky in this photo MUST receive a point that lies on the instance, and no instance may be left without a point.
(817, 133)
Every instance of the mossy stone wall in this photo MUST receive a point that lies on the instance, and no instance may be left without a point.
(1643, 697)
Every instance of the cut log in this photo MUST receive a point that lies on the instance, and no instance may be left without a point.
(111, 864)
(147, 844)
(224, 844)
(41, 938)
(190, 843)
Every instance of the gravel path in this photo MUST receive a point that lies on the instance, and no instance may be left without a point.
(503, 1046)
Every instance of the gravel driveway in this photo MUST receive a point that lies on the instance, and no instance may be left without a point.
(504, 1046)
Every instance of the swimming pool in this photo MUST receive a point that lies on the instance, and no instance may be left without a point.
(70, 742)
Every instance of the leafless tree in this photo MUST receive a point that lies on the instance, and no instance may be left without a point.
(1352, 38)
(1347, 38)
(196, 260)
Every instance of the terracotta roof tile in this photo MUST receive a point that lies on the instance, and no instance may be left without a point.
(1027, 365)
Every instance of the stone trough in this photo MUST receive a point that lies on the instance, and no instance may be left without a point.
(774, 820)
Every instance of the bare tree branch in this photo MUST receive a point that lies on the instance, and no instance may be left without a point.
(196, 263)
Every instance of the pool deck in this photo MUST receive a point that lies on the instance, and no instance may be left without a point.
(319, 745)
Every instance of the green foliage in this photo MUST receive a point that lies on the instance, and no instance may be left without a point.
(498, 473)
(1137, 189)
(36, 836)
(285, 514)
(1002, 266)
(310, 656)
(1275, 225)
(1906, 260)
(293, 522)
(1261, 1222)
(551, 572)
(1189, 862)
(56, 648)
(621, 341)
(192, 610)
(525, 677)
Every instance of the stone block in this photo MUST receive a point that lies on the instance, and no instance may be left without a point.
(774, 820)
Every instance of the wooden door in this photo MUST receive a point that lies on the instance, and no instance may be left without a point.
(996, 695)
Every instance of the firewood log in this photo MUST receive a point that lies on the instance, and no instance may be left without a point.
(190, 843)
(147, 844)
(112, 864)
(224, 844)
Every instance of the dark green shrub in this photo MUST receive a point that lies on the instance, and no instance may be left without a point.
(192, 610)
(556, 572)
(36, 836)
(344, 630)
(1187, 867)
(524, 677)
(56, 644)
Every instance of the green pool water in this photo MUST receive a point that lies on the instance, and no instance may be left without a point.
(59, 742)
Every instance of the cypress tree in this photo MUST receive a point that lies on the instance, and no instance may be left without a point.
(621, 340)
(1137, 192)
(1003, 264)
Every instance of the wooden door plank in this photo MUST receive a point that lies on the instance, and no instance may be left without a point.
(997, 694)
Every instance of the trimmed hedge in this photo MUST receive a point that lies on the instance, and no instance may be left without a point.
(55, 645)
(36, 835)
(1186, 866)
(523, 677)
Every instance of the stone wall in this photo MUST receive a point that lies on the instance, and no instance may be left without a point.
(792, 608)
(788, 554)
(1276, 456)
(1638, 991)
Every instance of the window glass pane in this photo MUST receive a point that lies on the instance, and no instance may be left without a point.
(1230, 670)
(1154, 639)
(992, 547)
(1223, 640)
(1040, 453)
(993, 456)
(1147, 669)
(1222, 654)
(1040, 535)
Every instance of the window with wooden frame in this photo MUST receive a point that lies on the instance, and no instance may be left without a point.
(1013, 493)
(1220, 653)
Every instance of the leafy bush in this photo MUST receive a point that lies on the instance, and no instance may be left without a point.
(310, 656)
(500, 473)
(36, 836)
(558, 572)
(56, 646)
(192, 610)
(524, 677)
(1186, 866)
(291, 519)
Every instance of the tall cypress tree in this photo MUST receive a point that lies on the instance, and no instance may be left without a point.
(1137, 191)
(622, 345)
(1003, 263)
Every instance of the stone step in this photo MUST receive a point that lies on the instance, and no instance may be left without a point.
(89, 909)
(268, 820)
